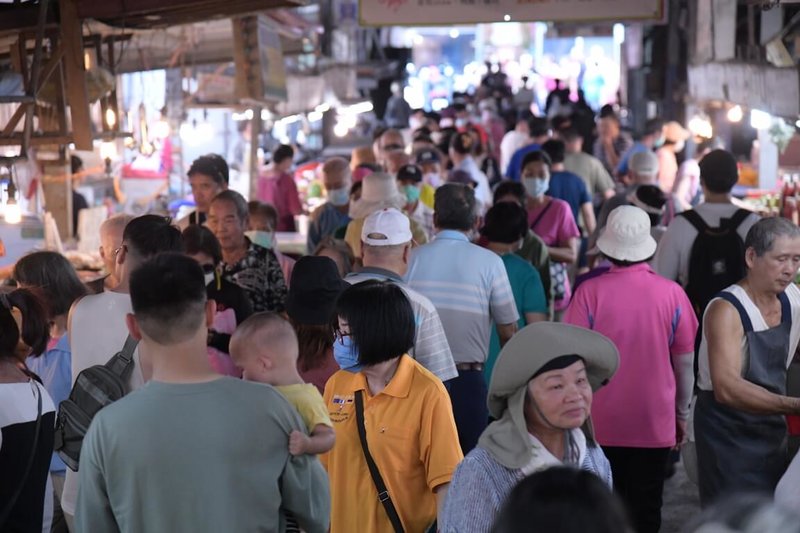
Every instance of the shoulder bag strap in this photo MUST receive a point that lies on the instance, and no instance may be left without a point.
(4, 514)
(538, 218)
(383, 493)
(122, 362)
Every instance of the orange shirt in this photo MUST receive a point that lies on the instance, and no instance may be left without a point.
(412, 438)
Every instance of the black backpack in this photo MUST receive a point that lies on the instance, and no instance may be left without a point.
(716, 260)
(94, 388)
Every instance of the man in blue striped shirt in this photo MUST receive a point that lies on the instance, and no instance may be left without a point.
(470, 289)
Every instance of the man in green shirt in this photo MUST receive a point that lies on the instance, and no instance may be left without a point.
(192, 451)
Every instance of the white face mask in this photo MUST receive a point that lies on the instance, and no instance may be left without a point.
(209, 277)
(339, 197)
(433, 179)
(536, 187)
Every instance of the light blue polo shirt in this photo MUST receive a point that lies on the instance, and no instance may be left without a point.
(469, 287)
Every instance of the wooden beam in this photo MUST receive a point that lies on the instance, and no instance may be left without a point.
(15, 118)
(36, 66)
(77, 93)
(50, 67)
(36, 139)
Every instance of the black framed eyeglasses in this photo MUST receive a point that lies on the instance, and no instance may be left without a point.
(340, 336)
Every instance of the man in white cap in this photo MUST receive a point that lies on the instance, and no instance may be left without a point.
(385, 250)
(641, 415)
(379, 191)
(642, 170)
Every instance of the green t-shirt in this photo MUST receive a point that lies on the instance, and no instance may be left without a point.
(526, 285)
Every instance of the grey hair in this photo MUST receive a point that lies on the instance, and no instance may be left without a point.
(238, 201)
(762, 235)
(455, 207)
(746, 513)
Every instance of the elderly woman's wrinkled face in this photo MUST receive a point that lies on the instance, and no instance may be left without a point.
(563, 398)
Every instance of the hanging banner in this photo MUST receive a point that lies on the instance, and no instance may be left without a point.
(446, 12)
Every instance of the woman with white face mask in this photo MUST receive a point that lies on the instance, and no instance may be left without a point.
(552, 220)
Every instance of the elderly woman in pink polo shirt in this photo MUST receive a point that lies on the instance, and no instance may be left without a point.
(552, 220)
(641, 415)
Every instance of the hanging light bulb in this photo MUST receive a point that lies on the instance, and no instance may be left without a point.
(111, 118)
(13, 214)
(735, 114)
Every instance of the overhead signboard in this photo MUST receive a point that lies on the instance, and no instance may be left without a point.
(445, 12)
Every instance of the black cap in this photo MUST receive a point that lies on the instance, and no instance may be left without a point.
(409, 173)
(313, 291)
(426, 156)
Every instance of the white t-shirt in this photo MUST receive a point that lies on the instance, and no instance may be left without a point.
(97, 332)
(675, 247)
(792, 291)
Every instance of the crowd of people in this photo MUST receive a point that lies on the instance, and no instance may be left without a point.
(519, 351)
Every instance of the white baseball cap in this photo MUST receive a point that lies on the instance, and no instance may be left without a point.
(626, 236)
(386, 227)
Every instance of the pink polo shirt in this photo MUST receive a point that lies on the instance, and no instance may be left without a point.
(648, 318)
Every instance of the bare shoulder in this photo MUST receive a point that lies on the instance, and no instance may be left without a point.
(721, 318)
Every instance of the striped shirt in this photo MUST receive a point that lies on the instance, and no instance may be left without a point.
(469, 287)
(431, 349)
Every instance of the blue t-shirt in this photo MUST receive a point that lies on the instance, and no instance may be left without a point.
(570, 188)
(514, 170)
(54, 367)
(622, 166)
(526, 285)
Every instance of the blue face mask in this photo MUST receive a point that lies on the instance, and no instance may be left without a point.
(339, 197)
(261, 238)
(346, 355)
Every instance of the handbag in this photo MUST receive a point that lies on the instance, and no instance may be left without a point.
(558, 271)
(6, 512)
(383, 492)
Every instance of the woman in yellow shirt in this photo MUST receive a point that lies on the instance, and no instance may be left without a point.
(407, 418)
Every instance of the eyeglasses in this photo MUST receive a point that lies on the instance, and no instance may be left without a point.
(340, 336)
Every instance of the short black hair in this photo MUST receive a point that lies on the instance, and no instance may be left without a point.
(508, 187)
(653, 126)
(35, 323)
(212, 165)
(570, 134)
(533, 157)
(454, 207)
(555, 149)
(620, 263)
(168, 296)
(75, 163)
(567, 499)
(54, 276)
(199, 239)
(608, 111)
(462, 143)
(282, 153)
(148, 235)
(505, 222)
(719, 171)
(538, 126)
(380, 319)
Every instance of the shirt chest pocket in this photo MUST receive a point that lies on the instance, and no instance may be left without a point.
(396, 445)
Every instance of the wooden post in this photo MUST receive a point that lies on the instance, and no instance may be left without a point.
(255, 132)
(77, 93)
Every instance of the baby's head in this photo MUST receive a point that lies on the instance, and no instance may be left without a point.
(262, 216)
(265, 347)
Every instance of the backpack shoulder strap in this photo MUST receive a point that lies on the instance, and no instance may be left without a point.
(738, 217)
(122, 362)
(695, 220)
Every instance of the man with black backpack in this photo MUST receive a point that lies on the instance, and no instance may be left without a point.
(703, 249)
(97, 328)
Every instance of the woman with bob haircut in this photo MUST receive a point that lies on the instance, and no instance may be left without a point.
(400, 410)
(540, 396)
